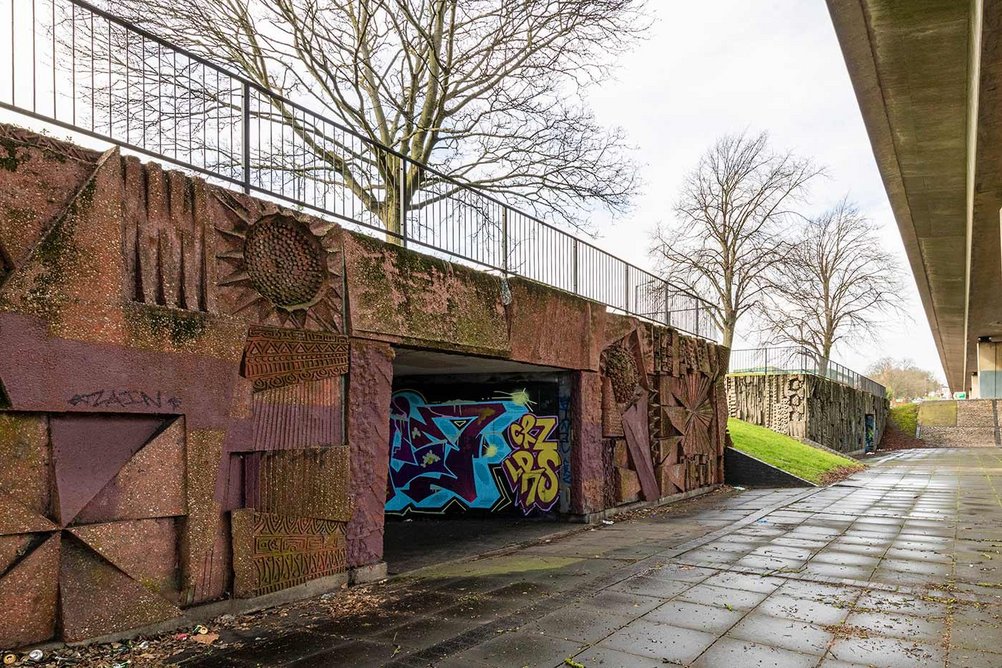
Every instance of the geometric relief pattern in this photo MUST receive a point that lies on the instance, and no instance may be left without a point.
(693, 414)
(688, 411)
(312, 482)
(272, 552)
(276, 357)
(68, 549)
(278, 270)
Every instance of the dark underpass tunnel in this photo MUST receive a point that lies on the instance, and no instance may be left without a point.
(479, 456)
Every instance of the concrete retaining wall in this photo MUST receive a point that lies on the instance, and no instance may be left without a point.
(807, 407)
(743, 469)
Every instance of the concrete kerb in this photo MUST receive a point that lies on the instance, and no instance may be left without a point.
(595, 518)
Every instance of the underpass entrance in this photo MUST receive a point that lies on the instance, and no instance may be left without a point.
(479, 456)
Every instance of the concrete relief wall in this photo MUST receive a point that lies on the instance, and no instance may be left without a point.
(664, 415)
(196, 390)
(808, 407)
(174, 369)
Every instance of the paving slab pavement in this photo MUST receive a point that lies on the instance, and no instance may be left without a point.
(896, 566)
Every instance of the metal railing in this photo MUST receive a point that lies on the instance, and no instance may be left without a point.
(73, 65)
(784, 360)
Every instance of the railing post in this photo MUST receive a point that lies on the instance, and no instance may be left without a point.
(664, 286)
(574, 262)
(504, 239)
(246, 138)
(626, 288)
(402, 199)
(696, 326)
(767, 361)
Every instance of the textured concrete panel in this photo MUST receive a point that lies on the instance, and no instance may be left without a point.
(145, 550)
(304, 415)
(275, 552)
(88, 451)
(300, 483)
(12, 548)
(28, 595)
(16, 519)
(371, 383)
(97, 598)
(587, 471)
(25, 461)
(151, 484)
(205, 545)
(638, 441)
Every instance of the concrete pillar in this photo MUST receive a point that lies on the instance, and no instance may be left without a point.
(588, 481)
(370, 384)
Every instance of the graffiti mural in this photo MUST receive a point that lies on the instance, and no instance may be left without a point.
(487, 455)
(532, 466)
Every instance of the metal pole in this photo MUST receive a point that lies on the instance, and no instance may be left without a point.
(575, 263)
(626, 288)
(401, 197)
(504, 240)
(664, 286)
(246, 138)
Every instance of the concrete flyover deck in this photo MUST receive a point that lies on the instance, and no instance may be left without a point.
(896, 566)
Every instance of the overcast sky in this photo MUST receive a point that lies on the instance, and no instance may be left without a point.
(711, 68)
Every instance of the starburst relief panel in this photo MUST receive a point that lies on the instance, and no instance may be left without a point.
(280, 270)
(89, 511)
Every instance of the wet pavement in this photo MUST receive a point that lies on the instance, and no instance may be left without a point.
(896, 566)
(424, 541)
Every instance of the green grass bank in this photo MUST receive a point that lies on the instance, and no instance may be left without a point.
(804, 461)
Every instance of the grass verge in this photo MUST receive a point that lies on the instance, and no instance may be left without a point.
(804, 461)
(905, 418)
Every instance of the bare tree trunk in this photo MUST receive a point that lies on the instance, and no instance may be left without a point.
(732, 216)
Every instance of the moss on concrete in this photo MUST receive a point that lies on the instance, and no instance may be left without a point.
(179, 327)
(8, 154)
(55, 258)
(469, 316)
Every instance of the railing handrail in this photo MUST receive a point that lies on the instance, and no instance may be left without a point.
(635, 277)
(823, 367)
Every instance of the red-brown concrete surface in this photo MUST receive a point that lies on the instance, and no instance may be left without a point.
(159, 334)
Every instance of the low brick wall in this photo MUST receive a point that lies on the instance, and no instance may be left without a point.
(971, 423)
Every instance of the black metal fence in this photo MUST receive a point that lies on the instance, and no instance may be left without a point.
(799, 360)
(73, 65)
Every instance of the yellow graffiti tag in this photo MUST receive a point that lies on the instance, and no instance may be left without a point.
(534, 461)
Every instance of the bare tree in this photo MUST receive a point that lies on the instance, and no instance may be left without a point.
(904, 381)
(735, 208)
(487, 92)
(835, 285)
